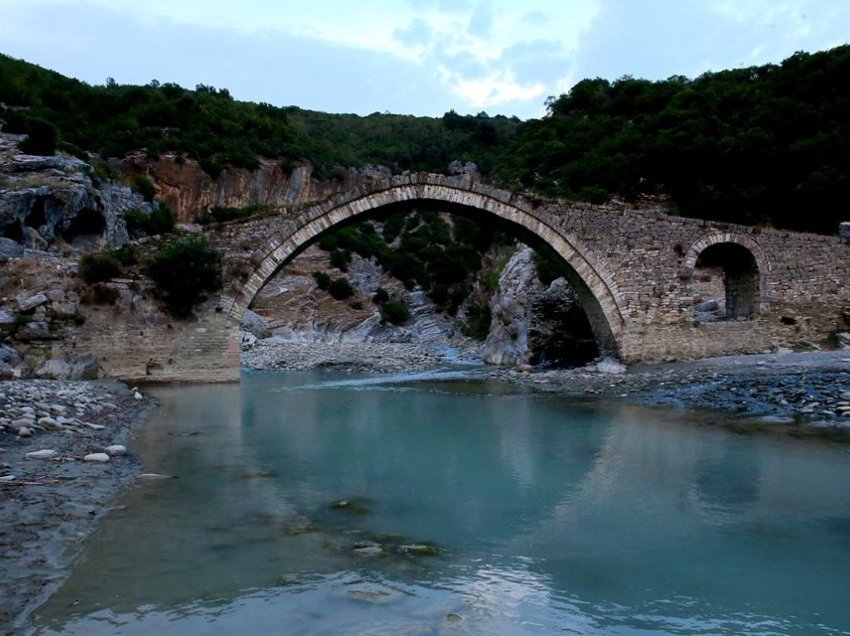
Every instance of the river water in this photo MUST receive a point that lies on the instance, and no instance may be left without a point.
(329, 504)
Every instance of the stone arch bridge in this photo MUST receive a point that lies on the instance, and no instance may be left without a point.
(634, 270)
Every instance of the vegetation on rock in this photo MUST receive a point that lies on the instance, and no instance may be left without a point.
(99, 267)
(183, 272)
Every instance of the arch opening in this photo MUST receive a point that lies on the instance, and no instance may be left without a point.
(726, 280)
(602, 316)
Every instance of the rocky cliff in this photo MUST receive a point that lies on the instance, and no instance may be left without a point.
(189, 192)
(59, 200)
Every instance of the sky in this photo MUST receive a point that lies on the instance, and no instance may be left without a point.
(420, 57)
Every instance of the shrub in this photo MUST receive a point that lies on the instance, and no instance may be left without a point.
(381, 296)
(159, 221)
(323, 281)
(395, 311)
(99, 267)
(183, 273)
(125, 255)
(41, 137)
(144, 186)
(100, 294)
(340, 259)
(478, 319)
(341, 289)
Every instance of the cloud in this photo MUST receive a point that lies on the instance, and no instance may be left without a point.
(481, 22)
(416, 33)
(656, 39)
(535, 18)
(446, 6)
(538, 61)
(496, 90)
(271, 66)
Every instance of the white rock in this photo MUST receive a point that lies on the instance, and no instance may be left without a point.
(97, 458)
(610, 366)
(24, 432)
(95, 427)
(44, 453)
(137, 395)
(116, 449)
(7, 478)
(153, 477)
(49, 423)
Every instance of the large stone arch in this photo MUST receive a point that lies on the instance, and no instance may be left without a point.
(743, 241)
(597, 288)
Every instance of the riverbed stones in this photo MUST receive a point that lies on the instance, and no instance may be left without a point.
(116, 450)
(49, 423)
(97, 458)
(44, 453)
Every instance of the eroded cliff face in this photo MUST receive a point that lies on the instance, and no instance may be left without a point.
(189, 192)
(45, 201)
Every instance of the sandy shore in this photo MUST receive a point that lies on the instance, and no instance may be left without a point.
(49, 506)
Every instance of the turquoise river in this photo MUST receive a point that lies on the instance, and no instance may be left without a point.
(321, 503)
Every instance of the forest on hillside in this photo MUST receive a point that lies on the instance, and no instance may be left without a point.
(764, 145)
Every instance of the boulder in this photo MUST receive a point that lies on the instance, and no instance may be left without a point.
(34, 330)
(10, 248)
(255, 324)
(609, 365)
(53, 369)
(507, 341)
(26, 302)
(9, 355)
(6, 320)
(84, 367)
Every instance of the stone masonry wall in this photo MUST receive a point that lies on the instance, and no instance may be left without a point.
(635, 269)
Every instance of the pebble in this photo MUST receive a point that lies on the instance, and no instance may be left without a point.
(153, 477)
(8, 478)
(116, 450)
(49, 423)
(24, 432)
(45, 453)
(97, 458)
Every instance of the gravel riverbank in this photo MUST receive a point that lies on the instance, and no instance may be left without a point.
(62, 459)
(801, 394)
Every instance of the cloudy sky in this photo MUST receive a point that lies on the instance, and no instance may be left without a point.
(422, 57)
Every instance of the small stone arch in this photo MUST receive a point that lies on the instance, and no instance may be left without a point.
(745, 270)
(595, 285)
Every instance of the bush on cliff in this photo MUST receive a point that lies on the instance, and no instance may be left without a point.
(341, 289)
(183, 273)
(159, 221)
(99, 267)
(395, 312)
